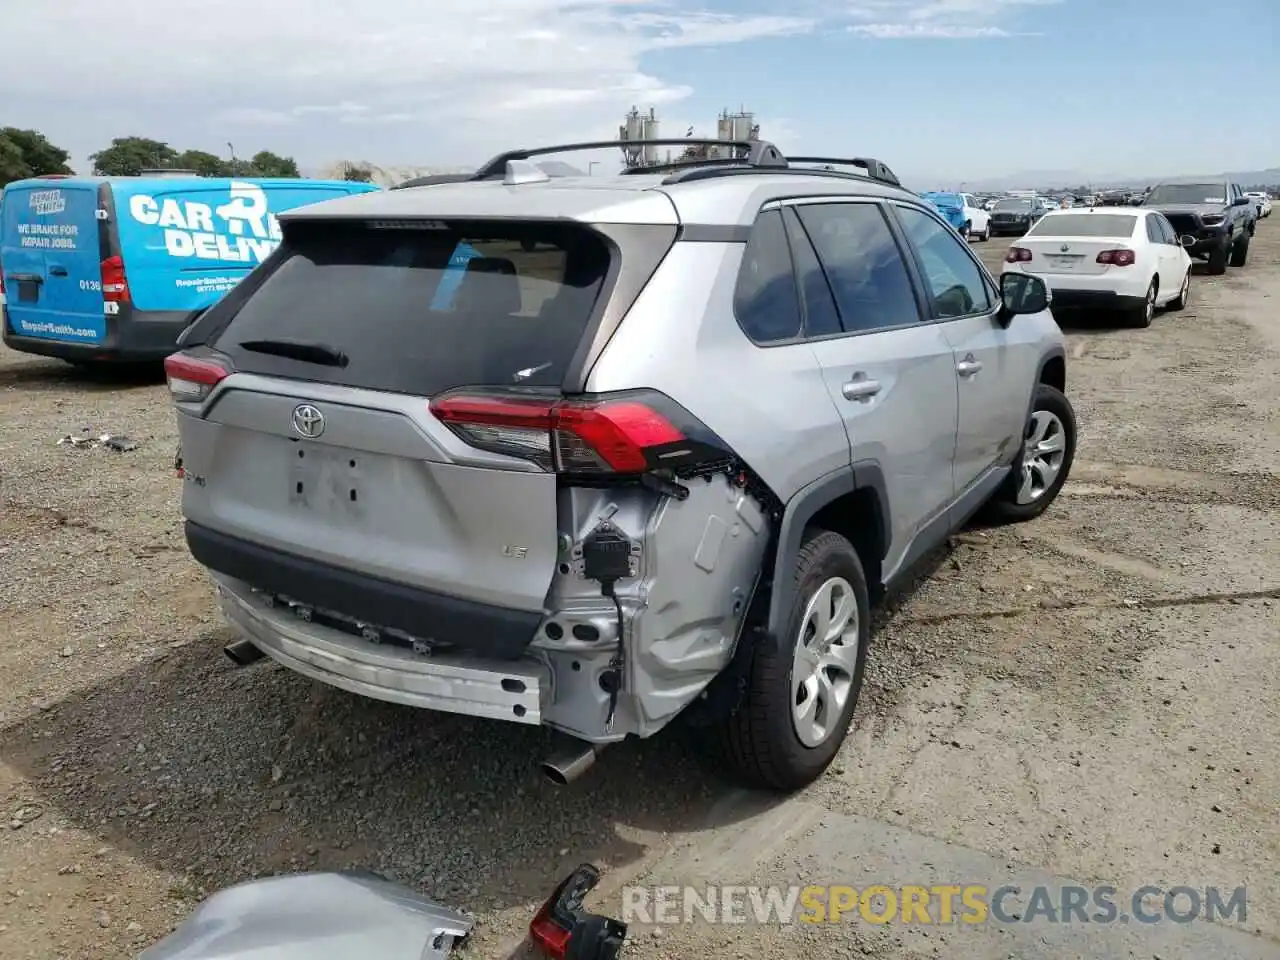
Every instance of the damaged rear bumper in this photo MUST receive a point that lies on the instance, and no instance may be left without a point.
(500, 690)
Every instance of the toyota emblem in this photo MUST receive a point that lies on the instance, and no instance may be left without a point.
(308, 421)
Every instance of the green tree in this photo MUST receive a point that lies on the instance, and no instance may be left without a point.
(267, 164)
(203, 163)
(28, 153)
(129, 156)
(13, 166)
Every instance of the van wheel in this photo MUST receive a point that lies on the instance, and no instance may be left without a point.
(1042, 467)
(800, 697)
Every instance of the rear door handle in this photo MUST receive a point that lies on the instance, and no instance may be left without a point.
(968, 366)
(57, 271)
(860, 389)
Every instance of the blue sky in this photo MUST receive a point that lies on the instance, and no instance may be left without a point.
(944, 91)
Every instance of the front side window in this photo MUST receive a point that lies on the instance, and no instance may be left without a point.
(955, 282)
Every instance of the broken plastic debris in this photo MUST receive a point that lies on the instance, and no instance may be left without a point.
(120, 444)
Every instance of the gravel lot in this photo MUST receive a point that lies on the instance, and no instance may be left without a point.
(1092, 693)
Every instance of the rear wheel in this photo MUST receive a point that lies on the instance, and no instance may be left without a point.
(1218, 259)
(1240, 251)
(1143, 313)
(1184, 294)
(801, 696)
(1042, 467)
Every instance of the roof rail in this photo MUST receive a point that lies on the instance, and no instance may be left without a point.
(760, 153)
(433, 179)
(875, 169)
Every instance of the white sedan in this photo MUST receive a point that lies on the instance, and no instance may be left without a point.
(1263, 203)
(1125, 260)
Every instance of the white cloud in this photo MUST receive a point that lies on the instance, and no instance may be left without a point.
(452, 78)
(936, 19)
(925, 31)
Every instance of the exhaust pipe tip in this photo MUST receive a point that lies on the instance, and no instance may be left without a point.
(242, 653)
(570, 762)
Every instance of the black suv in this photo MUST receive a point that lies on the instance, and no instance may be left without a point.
(1212, 215)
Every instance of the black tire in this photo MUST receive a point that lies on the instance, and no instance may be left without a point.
(1141, 315)
(1240, 251)
(760, 742)
(1218, 260)
(1184, 294)
(1004, 507)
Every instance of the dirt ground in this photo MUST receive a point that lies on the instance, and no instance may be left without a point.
(1091, 695)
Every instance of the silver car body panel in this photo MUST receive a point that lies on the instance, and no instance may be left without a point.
(315, 916)
(512, 690)
(436, 514)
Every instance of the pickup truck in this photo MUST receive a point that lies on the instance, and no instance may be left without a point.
(1212, 215)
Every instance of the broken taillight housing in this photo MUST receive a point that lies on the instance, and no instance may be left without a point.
(191, 379)
(564, 930)
(630, 433)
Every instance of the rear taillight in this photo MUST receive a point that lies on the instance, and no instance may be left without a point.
(562, 928)
(621, 434)
(1117, 258)
(115, 286)
(192, 378)
(1018, 255)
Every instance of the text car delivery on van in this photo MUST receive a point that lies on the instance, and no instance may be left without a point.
(112, 268)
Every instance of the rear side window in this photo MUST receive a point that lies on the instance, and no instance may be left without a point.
(863, 265)
(422, 310)
(765, 299)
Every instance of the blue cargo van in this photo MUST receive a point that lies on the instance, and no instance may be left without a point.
(113, 268)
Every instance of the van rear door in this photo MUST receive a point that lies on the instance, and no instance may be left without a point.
(186, 241)
(50, 253)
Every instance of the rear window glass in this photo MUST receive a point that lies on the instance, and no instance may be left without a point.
(422, 310)
(1086, 225)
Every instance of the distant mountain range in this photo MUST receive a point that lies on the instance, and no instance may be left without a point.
(1053, 179)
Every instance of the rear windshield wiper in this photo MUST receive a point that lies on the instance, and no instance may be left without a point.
(299, 350)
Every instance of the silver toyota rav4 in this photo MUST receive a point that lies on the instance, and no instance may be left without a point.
(595, 452)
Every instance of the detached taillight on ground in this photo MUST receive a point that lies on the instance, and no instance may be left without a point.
(630, 434)
(115, 285)
(1018, 255)
(191, 379)
(563, 930)
(1117, 258)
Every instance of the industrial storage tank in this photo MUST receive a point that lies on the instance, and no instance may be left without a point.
(649, 131)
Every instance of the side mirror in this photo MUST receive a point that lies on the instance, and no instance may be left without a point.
(1021, 293)
(1240, 202)
(1187, 240)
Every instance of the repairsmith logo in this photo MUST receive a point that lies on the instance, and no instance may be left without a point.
(47, 202)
